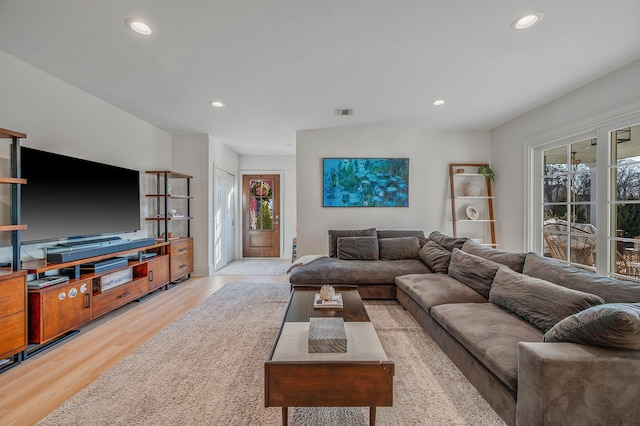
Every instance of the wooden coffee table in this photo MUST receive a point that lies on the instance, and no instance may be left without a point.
(361, 377)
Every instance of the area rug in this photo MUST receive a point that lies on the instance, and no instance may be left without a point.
(255, 267)
(208, 368)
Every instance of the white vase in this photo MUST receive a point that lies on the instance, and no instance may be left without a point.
(471, 188)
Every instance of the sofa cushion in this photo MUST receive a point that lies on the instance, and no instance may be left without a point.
(472, 270)
(429, 290)
(394, 233)
(540, 302)
(436, 257)
(490, 333)
(447, 242)
(611, 290)
(399, 248)
(334, 234)
(330, 270)
(358, 248)
(613, 325)
(513, 260)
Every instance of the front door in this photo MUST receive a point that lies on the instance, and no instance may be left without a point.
(261, 216)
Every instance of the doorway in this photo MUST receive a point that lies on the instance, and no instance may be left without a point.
(261, 215)
(223, 218)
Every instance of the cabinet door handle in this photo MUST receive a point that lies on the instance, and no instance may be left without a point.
(87, 300)
(124, 295)
(150, 275)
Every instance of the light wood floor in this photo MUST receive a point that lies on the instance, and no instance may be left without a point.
(31, 390)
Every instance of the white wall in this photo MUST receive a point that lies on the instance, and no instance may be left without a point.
(429, 153)
(196, 154)
(60, 118)
(618, 91)
(286, 165)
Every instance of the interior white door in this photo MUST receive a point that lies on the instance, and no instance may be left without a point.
(223, 218)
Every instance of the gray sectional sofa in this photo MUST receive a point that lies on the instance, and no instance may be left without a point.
(543, 342)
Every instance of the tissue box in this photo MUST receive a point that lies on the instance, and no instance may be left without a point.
(327, 335)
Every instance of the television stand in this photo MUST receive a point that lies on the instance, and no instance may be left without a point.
(57, 309)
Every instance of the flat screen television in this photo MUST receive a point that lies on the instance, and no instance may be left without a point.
(67, 197)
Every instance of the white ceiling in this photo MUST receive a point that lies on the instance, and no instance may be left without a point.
(286, 65)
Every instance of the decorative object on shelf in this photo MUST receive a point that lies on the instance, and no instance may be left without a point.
(327, 292)
(460, 171)
(472, 188)
(486, 171)
(365, 182)
(472, 213)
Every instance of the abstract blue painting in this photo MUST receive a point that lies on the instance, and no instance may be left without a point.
(365, 182)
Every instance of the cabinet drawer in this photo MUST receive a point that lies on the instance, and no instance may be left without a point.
(181, 258)
(118, 296)
(13, 334)
(12, 296)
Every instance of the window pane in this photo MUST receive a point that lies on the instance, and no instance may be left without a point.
(555, 161)
(555, 211)
(627, 218)
(627, 258)
(627, 181)
(581, 187)
(261, 204)
(626, 144)
(583, 155)
(582, 216)
(555, 189)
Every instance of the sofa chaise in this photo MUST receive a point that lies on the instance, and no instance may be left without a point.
(368, 258)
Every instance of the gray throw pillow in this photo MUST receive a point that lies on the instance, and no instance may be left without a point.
(447, 242)
(399, 248)
(436, 257)
(358, 248)
(395, 233)
(513, 260)
(611, 290)
(613, 325)
(540, 302)
(473, 271)
(334, 234)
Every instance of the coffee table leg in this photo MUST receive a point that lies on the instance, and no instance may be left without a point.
(285, 416)
(372, 416)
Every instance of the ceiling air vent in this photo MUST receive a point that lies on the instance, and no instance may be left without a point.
(344, 111)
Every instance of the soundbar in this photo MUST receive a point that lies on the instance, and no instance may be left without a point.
(75, 253)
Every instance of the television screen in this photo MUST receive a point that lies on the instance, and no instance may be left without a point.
(69, 197)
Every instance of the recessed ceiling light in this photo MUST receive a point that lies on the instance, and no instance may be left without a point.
(138, 26)
(438, 102)
(527, 20)
(217, 104)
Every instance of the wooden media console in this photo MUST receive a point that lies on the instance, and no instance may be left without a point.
(58, 309)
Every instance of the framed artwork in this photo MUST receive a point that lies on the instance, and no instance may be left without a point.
(365, 182)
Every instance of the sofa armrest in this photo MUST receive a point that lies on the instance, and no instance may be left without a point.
(566, 383)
